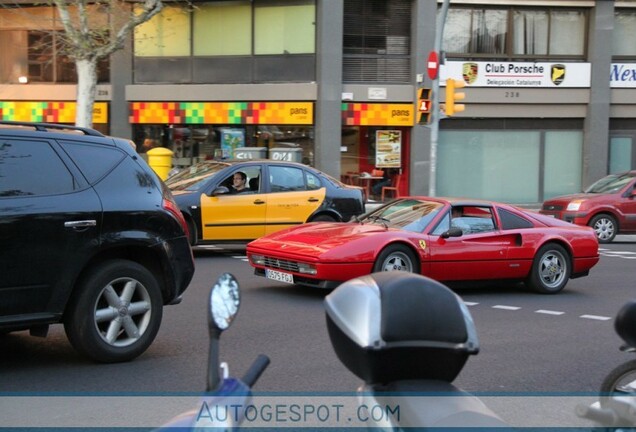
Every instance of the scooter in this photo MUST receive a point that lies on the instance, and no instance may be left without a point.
(407, 336)
(616, 406)
(404, 334)
(222, 389)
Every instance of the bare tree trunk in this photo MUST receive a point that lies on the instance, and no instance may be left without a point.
(86, 88)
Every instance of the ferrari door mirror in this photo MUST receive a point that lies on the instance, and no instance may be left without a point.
(453, 232)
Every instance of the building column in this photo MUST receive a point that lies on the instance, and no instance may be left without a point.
(596, 125)
(328, 119)
(423, 37)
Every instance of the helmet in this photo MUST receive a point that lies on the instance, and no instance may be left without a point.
(393, 326)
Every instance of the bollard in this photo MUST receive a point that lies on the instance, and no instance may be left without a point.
(160, 160)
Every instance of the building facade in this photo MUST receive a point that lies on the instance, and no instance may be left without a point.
(550, 88)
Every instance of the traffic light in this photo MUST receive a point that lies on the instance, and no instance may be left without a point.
(424, 105)
(451, 96)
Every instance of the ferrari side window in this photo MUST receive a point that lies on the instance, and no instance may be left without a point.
(477, 220)
(443, 225)
(512, 221)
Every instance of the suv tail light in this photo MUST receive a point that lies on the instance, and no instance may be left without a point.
(171, 206)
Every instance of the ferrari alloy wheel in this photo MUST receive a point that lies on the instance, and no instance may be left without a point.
(397, 258)
(115, 313)
(605, 227)
(550, 269)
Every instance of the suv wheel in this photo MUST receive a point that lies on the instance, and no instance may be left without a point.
(115, 312)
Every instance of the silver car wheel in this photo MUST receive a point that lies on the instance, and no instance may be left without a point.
(123, 312)
(397, 261)
(604, 228)
(552, 268)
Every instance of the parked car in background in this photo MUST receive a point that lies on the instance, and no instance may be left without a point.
(91, 238)
(451, 240)
(278, 195)
(608, 206)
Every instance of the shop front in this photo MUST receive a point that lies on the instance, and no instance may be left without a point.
(376, 138)
(52, 112)
(196, 131)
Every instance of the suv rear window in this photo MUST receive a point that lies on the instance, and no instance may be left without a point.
(32, 168)
(94, 161)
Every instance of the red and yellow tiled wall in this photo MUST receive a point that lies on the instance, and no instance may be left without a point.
(49, 112)
(301, 113)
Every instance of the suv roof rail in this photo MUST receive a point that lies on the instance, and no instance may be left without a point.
(44, 127)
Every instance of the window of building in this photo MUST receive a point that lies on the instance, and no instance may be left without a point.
(621, 155)
(485, 164)
(32, 41)
(261, 27)
(514, 33)
(222, 29)
(376, 41)
(191, 143)
(284, 28)
(167, 34)
(563, 155)
(624, 33)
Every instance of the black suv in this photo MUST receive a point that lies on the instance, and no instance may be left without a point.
(89, 236)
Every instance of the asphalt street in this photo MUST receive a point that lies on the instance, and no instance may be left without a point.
(531, 344)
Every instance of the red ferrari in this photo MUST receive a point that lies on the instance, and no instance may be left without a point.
(449, 240)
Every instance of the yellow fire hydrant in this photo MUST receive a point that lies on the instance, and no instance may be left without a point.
(160, 160)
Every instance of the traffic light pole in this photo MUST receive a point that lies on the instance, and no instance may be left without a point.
(435, 111)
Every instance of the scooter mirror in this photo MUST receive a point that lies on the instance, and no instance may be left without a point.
(225, 298)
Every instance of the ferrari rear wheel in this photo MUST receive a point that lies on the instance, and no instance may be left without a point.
(397, 258)
(550, 269)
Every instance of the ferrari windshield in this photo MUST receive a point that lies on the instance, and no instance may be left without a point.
(610, 184)
(408, 214)
(192, 178)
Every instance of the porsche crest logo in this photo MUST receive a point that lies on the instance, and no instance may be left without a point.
(470, 72)
(557, 73)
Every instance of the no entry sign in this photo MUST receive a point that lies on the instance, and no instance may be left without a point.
(432, 65)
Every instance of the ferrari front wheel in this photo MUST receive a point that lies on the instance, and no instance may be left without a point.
(550, 269)
(397, 258)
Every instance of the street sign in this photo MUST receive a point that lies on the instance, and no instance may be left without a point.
(432, 65)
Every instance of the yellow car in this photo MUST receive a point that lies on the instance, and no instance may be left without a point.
(240, 200)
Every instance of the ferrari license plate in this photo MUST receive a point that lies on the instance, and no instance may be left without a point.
(279, 276)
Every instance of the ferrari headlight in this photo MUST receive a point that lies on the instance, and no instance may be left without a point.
(574, 205)
(257, 259)
(306, 268)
